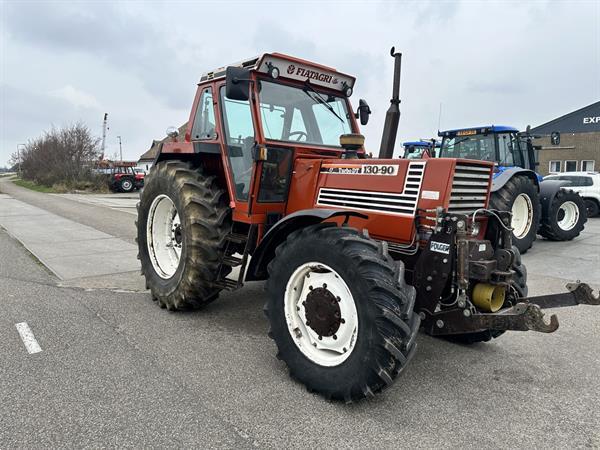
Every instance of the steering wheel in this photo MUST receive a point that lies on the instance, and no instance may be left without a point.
(300, 134)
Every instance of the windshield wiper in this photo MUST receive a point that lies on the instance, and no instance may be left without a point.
(317, 98)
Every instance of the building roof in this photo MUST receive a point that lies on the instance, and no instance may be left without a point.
(150, 154)
(583, 120)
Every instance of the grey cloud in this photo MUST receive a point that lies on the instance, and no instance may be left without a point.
(100, 29)
(496, 87)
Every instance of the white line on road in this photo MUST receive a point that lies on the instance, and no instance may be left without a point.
(28, 338)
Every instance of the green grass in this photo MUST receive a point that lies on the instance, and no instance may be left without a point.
(33, 186)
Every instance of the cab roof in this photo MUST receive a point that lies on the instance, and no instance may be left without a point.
(292, 68)
(479, 130)
(417, 144)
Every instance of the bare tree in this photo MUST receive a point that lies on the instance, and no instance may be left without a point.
(66, 155)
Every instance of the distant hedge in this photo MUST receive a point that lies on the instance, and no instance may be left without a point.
(60, 156)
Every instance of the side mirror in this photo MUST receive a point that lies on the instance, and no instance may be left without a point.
(172, 132)
(237, 86)
(363, 112)
(555, 138)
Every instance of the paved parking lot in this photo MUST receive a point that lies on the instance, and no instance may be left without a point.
(117, 201)
(116, 370)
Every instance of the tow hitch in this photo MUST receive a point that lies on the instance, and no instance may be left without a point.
(525, 315)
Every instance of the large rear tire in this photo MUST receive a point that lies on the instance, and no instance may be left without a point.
(340, 313)
(183, 219)
(520, 290)
(566, 217)
(520, 195)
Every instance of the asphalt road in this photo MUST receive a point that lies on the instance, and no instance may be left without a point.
(116, 370)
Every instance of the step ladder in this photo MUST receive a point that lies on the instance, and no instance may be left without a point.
(230, 260)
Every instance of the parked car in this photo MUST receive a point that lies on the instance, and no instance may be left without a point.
(125, 179)
(587, 184)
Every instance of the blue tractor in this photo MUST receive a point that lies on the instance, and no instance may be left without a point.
(538, 207)
(417, 149)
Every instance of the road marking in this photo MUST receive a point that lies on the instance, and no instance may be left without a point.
(28, 338)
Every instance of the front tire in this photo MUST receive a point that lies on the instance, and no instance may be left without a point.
(520, 196)
(339, 311)
(566, 217)
(126, 185)
(183, 219)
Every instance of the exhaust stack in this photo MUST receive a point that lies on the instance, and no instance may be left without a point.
(392, 117)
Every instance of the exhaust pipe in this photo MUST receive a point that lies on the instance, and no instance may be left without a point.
(392, 117)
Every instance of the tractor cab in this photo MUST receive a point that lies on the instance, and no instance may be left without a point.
(255, 117)
(420, 149)
(503, 145)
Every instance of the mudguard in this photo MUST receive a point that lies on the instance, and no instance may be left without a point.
(502, 174)
(548, 190)
(265, 251)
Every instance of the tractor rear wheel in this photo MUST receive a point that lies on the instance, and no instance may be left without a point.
(520, 196)
(183, 218)
(566, 217)
(519, 290)
(339, 311)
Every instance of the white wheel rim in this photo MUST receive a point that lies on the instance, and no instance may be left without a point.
(164, 239)
(126, 184)
(327, 350)
(568, 215)
(522, 215)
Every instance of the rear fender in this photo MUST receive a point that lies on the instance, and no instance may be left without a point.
(265, 251)
(548, 190)
(503, 174)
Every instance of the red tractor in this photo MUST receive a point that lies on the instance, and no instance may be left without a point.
(271, 179)
(125, 178)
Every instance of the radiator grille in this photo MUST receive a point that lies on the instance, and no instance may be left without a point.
(404, 203)
(469, 188)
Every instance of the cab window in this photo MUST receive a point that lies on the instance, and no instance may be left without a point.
(239, 138)
(510, 153)
(204, 122)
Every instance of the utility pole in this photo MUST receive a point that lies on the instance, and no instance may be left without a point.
(120, 148)
(104, 128)
(19, 157)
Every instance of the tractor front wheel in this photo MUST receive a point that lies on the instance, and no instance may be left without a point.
(340, 314)
(126, 184)
(520, 196)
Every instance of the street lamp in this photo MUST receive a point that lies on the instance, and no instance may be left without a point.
(120, 148)
(19, 157)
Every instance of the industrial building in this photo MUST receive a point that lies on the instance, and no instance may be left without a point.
(579, 146)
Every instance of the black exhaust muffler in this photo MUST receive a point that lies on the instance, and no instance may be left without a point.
(392, 117)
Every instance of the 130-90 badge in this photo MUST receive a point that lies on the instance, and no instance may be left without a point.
(361, 169)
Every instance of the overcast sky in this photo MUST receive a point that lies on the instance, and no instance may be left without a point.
(512, 63)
